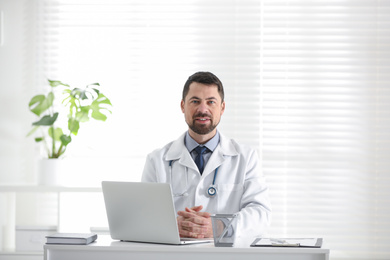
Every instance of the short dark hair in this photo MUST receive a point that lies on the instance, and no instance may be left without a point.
(206, 78)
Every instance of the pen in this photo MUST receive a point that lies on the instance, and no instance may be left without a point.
(278, 240)
(282, 242)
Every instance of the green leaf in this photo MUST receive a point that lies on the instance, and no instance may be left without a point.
(38, 139)
(103, 99)
(55, 83)
(47, 120)
(36, 99)
(79, 93)
(68, 96)
(39, 103)
(71, 101)
(83, 114)
(96, 107)
(98, 116)
(96, 90)
(73, 125)
(65, 139)
(55, 133)
(35, 128)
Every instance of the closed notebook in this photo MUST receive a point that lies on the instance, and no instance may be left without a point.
(71, 238)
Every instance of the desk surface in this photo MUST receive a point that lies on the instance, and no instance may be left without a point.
(106, 248)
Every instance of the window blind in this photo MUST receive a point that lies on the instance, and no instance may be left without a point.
(325, 122)
(306, 84)
(142, 52)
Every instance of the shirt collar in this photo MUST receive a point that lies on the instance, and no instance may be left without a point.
(191, 144)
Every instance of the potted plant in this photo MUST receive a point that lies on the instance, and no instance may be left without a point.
(81, 104)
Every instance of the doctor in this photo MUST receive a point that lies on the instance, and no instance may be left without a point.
(221, 176)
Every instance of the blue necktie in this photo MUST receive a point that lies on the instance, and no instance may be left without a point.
(200, 150)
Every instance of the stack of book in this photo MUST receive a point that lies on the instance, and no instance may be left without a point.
(71, 238)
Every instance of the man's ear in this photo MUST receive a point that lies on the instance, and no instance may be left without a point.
(182, 106)
(222, 107)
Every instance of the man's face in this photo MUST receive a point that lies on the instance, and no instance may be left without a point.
(203, 108)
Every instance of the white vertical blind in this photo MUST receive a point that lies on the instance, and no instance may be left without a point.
(325, 114)
(307, 84)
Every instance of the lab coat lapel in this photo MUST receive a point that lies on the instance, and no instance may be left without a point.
(224, 149)
(216, 159)
(178, 151)
(187, 161)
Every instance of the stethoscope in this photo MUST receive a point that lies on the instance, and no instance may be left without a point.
(211, 191)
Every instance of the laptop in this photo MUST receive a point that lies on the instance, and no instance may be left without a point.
(143, 212)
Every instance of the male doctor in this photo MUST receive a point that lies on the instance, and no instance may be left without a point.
(219, 177)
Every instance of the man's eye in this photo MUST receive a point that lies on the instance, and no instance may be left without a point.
(195, 101)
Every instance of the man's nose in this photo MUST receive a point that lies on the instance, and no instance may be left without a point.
(203, 107)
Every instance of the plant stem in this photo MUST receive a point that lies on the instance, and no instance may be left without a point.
(45, 143)
(59, 151)
(53, 147)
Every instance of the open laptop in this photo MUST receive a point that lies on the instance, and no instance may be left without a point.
(142, 212)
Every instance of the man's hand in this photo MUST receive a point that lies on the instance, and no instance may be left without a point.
(193, 223)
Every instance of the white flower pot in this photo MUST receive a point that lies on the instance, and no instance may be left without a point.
(49, 172)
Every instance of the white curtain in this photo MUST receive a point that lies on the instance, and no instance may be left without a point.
(307, 85)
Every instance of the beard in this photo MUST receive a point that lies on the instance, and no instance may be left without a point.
(202, 129)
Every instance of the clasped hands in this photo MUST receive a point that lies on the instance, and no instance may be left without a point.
(195, 224)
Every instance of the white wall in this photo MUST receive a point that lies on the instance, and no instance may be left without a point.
(16, 80)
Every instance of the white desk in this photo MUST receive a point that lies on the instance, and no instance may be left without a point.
(105, 248)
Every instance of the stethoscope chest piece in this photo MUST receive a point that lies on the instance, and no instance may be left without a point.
(212, 191)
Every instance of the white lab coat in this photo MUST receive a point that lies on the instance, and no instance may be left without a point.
(240, 185)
